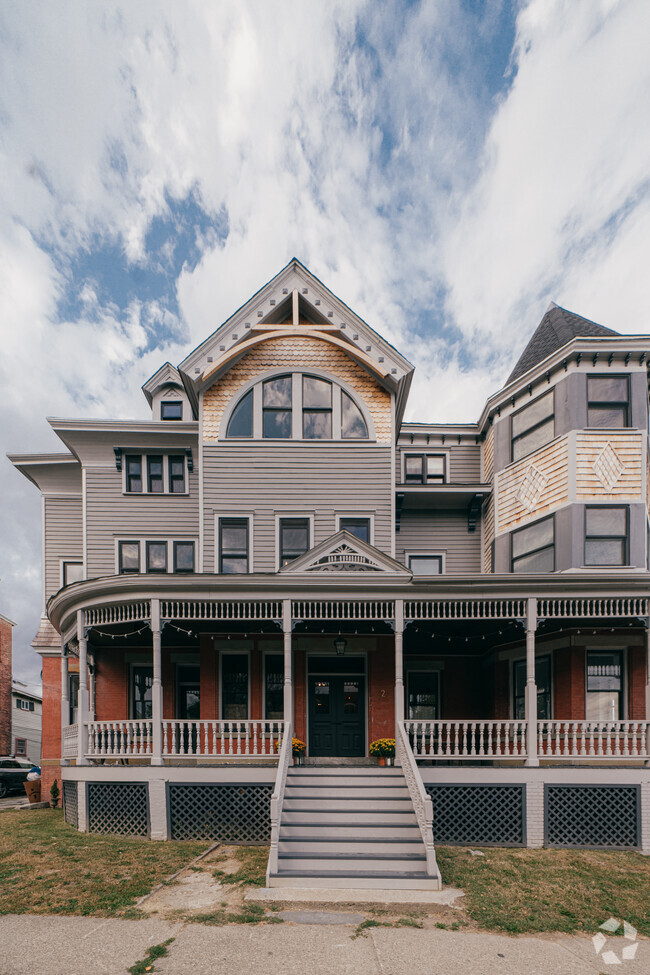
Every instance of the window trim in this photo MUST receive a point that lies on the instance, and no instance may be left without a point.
(17, 752)
(218, 515)
(412, 452)
(242, 651)
(612, 403)
(419, 669)
(623, 707)
(165, 453)
(533, 551)
(20, 701)
(142, 553)
(426, 555)
(131, 708)
(367, 515)
(255, 384)
(174, 544)
(220, 519)
(534, 426)
(65, 562)
(171, 402)
(289, 516)
(607, 565)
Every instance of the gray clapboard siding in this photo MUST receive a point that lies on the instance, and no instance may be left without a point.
(440, 531)
(464, 460)
(63, 538)
(319, 480)
(111, 514)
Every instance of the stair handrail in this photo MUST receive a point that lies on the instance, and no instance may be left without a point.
(421, 800)
(277, 799)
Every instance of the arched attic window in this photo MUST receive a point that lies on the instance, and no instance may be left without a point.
(298, 406)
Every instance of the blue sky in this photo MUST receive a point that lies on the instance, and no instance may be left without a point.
(447, 167)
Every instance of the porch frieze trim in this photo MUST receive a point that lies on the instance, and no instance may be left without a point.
(108, 591)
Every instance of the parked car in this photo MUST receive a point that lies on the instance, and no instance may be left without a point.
(13, 773)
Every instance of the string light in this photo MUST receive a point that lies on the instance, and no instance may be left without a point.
(120, 636)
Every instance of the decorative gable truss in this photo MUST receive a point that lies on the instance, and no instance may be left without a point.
(344, 552)
(295, 302)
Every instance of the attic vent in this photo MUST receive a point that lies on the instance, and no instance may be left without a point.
(330, 314)
(355, 336)
(234, 335)
(272, 302)
(210, 358)
(285, 291)
(259, 314)
(317, 302)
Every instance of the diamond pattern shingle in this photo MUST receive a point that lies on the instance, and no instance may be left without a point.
(557, 327)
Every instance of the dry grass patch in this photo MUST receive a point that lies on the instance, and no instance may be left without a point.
(47, 867)
(520, 891)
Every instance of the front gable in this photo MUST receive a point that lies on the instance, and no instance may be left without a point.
(344, 552)
(292, 308)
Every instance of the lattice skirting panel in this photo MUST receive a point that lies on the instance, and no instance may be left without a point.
(118, 807)
(227, 813)
(478, 815)
(604, 816)
(70, 805)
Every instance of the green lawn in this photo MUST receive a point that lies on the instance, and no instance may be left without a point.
(519, 891)
(47, 867)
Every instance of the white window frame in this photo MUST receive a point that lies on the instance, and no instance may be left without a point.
(427, 555)
(423, 667)
(281, 515)
(296, 406)
(142, 662)
(142, 542)
(249, 516)
(166, 453)
(370, 515)
(624, 692)
(539, 652)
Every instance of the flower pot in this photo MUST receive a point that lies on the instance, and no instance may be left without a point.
(298, 759)
(33, 790)
(381, 760)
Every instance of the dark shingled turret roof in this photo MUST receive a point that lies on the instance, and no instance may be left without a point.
(557, 327)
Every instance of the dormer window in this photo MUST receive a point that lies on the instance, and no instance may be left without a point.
(297, 406)
(171, 410)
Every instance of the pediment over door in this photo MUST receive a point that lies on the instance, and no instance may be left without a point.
(345, 552)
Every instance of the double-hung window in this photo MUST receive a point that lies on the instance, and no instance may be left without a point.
(606, 535)
(141, 691)
(176, 474)
(533, 426)
(156, 556)
(183, 556)
(604, 686)
(533, 547)
(155, 483)
(543, 682)
(234, 686)
(274, 686)
(233, 545)
(134, 473)
(608, 401)
(424, 468)
(294, 538)
(129, 556)
(156, 473)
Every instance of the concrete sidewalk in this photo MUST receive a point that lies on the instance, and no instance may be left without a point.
(34, 945)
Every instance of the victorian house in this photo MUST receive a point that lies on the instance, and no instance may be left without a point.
(277, 554)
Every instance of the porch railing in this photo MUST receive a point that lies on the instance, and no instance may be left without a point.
(119, 739)
(222, 739)
(70, 741)
(470, 740)
(277, 800)
(609, 740)
(422, 804)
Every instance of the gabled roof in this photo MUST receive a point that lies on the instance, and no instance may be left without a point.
(295, 302)
(167, 375)
(344, 552)
(557, 327)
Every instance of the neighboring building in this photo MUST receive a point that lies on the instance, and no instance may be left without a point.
(6, 626)
(26, 717)
(277, 552)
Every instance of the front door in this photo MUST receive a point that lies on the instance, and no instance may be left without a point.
(337, 716)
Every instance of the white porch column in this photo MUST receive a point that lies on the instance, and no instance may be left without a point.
(531, 686)
(156, 690)
(288, 674)
(82, 739)
(399, 660)
(65, 699)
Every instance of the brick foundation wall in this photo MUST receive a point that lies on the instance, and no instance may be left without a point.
(6, 744)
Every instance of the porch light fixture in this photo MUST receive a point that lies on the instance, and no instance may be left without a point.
(340, 645)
